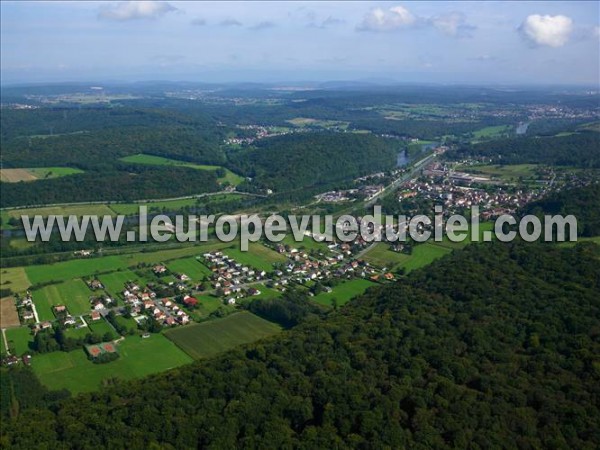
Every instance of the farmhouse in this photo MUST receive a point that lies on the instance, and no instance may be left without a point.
(190, 301)
(96, 284)
(158, 269)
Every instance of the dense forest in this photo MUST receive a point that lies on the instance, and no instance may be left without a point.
(105, 183)
(294, 162)
(495, 345)
(87, 150)
(582, 202)
(581, 149)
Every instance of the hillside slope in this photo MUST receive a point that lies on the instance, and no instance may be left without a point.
(494, 346)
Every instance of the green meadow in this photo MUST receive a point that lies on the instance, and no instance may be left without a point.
(18, 340)
(138, 358)
(14, 278)
(343, 292)
(74, 268)
(257, 256)
(73, 293)
(114, 282)
(142, 158)
(192, 267)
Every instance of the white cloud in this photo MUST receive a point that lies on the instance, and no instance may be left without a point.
(452, 24)
(551, 31)
(394, 18)
(132, 10)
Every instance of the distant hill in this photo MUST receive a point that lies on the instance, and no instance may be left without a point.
(580, 149)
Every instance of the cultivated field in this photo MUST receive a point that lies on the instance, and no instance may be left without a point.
(8, 313)
(216, 336)
(343, 292)
(16, 175)
(138, 358)
(73, 293)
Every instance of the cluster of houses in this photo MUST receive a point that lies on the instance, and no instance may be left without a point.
(144, 303)
(11, 360)
(456, 193)
(230, 278)
(260, 132)
(363, 192)
(302, 267)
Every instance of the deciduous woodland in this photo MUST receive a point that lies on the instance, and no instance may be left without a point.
(494, 344)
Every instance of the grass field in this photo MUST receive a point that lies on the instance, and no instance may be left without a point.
(594, 239)
(343, 292)
(8, 313)
(189, 266)
(102, 327)
(77, 333)
(21, 243)
(307, 244)
(424, 254)
(138, 358)
(171, 254)
(73, 293)
(216, 336)
(168, 205)
(504, 172)
(206, 305)
(142, 158)
(114, 283)
(74, 268)
(382, 256)
(18, 340)
(37, 173)
(493, 131)
(15, 279)
(76, 210)
(257, 256)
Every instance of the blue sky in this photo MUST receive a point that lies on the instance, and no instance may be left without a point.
(453, 42)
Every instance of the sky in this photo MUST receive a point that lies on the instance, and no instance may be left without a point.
(431, 42)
